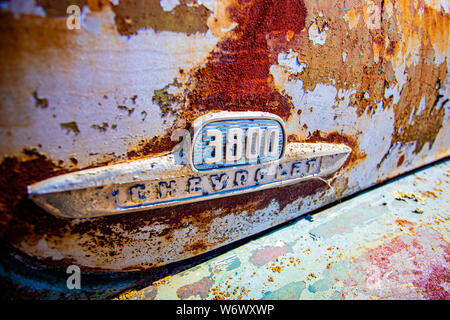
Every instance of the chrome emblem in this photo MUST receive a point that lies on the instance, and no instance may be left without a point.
(230, 153)
(237, 139)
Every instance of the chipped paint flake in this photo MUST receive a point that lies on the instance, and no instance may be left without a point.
(227, 59)
(352, 17)
(290, 61)
(318, 34)
(369, 247)
(97, 86)
(168, 5)
(422, 105)
(372, 15)
(22, 7)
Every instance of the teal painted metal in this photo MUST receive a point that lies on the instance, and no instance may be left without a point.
(391, 242)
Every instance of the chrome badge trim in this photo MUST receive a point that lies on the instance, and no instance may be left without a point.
(237, 120)
(172, 179)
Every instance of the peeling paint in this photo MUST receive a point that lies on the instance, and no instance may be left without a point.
(371, 246)
(317, 33)
(199, 288)
(132, 16)
(20, 7)
(91, 88)
(371, 74)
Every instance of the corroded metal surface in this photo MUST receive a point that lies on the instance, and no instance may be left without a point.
(162, 182)
(391, 242)
(235, 164)
(369, 74)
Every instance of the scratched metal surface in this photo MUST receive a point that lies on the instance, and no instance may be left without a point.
(391, 242)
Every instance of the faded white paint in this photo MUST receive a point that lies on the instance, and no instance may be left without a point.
(168, 5)
(394, 92)
(289, 60)
(422, 105)
(317, 34)
(210, 4)
(439, 5)
(124, 67)
(20, 7)
(326, 109)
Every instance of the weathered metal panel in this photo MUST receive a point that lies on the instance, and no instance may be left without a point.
(391, 242)
(369, 74)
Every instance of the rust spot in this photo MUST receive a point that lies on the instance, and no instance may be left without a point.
(400, 160)
(74, 161)
(132, 15)
(357, 45)
(58, 8)
(70, 126)
(432, 287)
(390, 48)
(380, 256)
(293, 138)
(200, 288)
(425, 268)
(236, 74)
(197, 247)
(156, 145)
(429, 194)
(423, 83)
(404, 223)
(40, 102)
(15, 175)
(372, 68)
(336, 137)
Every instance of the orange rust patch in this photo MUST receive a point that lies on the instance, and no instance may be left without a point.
(428, 194)
(15, 176)
(58, 8)
(293, 138)
(131, 16)
(325, 63)
(404, 223)
(156, 145)
(400, 160)
(424, 79)
(236, 74)
(353, 56)
(421, 34)
(197, 247)
(23, 221)
(336, 137)
(390, 49)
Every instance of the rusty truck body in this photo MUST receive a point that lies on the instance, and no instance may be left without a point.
(134, 134)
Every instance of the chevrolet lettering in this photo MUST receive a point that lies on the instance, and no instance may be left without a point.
(230, 153)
